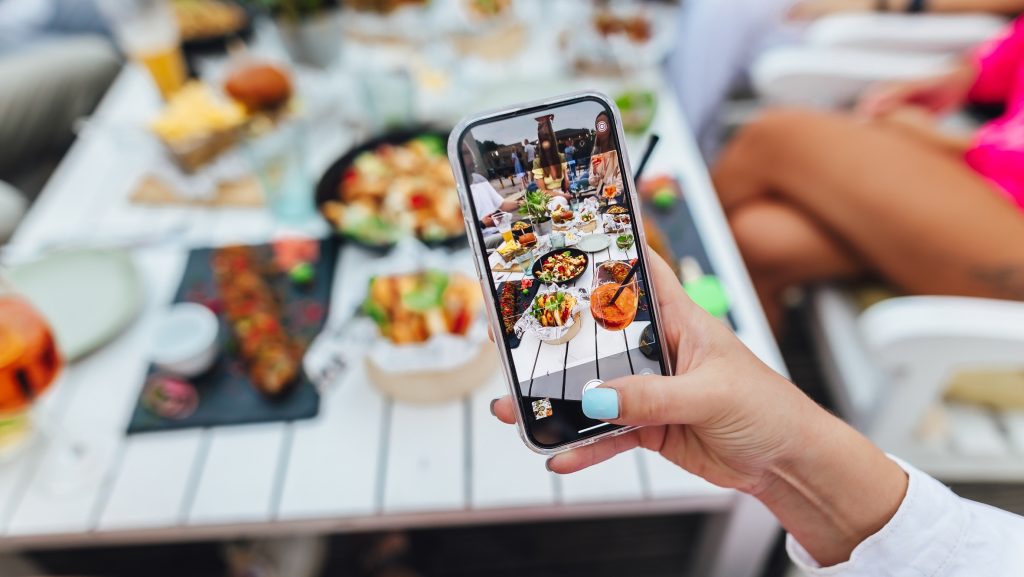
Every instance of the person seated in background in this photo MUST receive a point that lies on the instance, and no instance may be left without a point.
(486, 199)
(604, 169)
(719, 40)
(814, 196)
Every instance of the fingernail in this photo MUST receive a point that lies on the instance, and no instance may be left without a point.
(601, 403)
(494, 402)
(547, 464)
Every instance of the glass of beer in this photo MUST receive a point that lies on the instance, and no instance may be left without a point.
(503, 221)
(29, 364)
(148, 33)
(608, 277)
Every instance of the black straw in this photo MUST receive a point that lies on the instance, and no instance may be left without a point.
(652, 142)
(625, 281)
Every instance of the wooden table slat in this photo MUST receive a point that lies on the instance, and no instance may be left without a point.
(505, 473)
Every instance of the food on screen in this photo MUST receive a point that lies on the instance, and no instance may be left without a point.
(553, 309)
(510, 250)
(553, 316)
(562, 266)
(614, 313)
(562, 215)
(412, 308)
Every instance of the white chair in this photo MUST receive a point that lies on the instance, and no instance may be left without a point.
(923, 377)
(844, 54)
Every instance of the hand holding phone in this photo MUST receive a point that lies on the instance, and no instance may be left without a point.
(564, 309)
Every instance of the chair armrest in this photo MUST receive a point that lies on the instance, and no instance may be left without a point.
(933, 33)
(967, 320)
(921, 342)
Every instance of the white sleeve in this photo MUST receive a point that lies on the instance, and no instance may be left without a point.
(933, 534)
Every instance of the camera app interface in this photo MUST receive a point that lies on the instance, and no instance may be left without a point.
(556, 224)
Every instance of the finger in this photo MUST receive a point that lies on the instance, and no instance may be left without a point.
(670, 291)
(652, 400)
(504, 410)
(490, 333)
(579, 459)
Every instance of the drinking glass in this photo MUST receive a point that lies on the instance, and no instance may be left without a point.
(610, 192)
(279, 161)
(147, 32)
(503, 221)
(526, 261)
(608, 278)
(29, 364)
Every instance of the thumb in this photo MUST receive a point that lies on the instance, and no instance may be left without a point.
(643, 400)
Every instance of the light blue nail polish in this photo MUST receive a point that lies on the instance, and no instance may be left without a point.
(601, 403)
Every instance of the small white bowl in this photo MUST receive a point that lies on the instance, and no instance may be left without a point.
(185, 342)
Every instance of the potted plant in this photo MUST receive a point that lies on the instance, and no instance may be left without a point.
(310, 30)
(535, 207)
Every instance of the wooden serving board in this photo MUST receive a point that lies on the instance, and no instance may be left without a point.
(240, 193)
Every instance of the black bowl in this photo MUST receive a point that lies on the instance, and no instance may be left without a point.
(538, 266)
(327, 188)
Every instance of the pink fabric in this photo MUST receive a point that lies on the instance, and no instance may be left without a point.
(998, 150)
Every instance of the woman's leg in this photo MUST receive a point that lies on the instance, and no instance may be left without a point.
(783, 248)
(918, 216)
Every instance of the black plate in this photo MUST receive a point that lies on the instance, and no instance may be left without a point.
(327, 188)
(574, 252)
(523, 302)
(196, 49)
(604, 209)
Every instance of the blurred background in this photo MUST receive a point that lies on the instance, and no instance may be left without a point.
(197, 198)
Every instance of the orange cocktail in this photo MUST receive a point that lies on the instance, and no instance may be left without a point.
(613, 316)
(29, 361)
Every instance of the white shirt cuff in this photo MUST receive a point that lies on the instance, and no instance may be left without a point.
(924, 534)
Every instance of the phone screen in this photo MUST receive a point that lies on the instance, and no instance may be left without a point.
(555, 225)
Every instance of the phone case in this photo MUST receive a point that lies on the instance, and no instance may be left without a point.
(492, 311)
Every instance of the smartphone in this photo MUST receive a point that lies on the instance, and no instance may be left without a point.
(551, 268)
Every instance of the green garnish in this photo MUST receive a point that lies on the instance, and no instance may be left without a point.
(428, 294)
(376, 313)
(434, 144)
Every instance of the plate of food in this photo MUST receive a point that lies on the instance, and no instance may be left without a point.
(514, 298)
(617, 219)
(587, 221)
(554, 315)
(432, 345)
(561, 266)
(563, 217)
(208, 27)
(395, 186)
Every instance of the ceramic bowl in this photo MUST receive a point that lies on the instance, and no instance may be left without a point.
(185, 342)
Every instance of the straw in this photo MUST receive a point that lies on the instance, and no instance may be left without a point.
(625, 281)
(652, 142)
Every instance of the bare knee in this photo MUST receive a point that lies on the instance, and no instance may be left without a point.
(759, 156)
(763, 136)
(765, 249)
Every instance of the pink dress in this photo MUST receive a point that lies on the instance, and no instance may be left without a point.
(998, 150)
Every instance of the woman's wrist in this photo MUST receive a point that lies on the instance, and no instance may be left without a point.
(833, 488)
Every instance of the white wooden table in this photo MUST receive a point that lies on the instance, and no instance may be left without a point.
(561, 371)
(364, 463)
